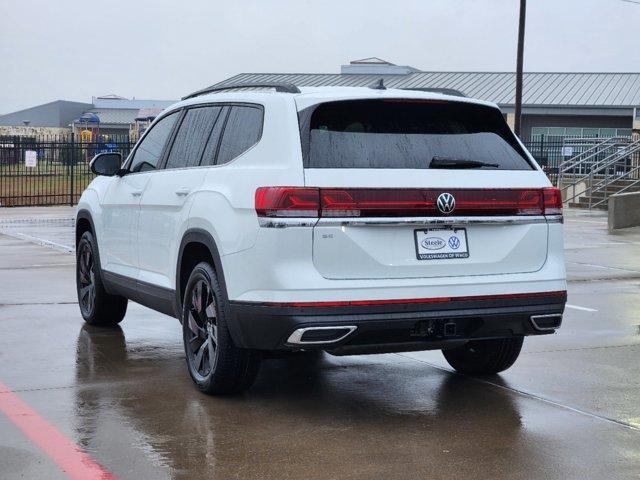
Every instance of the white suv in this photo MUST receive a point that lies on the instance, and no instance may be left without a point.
(351, 220)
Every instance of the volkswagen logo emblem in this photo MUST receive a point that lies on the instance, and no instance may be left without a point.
(446, 203)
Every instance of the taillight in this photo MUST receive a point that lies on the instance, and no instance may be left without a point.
(488, 202)
(552, 201)
(406, 202)
(287, 202)
(360, 202)
(364, 202)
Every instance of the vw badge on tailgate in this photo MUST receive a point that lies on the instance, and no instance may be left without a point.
(446, 203)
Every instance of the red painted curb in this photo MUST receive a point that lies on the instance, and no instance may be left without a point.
(72, 459)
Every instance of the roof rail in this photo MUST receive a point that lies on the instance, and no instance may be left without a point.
(284, 87)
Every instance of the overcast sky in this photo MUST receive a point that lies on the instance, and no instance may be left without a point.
(162, 49)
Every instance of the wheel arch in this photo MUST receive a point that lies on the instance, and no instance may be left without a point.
(84, 223)
(199, 245)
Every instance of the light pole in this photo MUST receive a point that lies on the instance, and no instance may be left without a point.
(518, 112)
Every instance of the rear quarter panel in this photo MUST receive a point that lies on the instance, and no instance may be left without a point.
(225, 203)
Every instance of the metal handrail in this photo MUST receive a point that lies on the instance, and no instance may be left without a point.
(595, 167)
(599, 166)
(617, 178)
(590, 152)
(598, 149)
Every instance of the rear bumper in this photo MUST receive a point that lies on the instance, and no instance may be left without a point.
(418, 324)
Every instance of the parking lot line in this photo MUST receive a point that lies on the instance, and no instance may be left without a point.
(578, 307)
(614, 421)
(40, 241)
(604, 267)
(72, 459)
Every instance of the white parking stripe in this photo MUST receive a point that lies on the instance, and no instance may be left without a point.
(584, 309)
(39, 241)
(631, 426)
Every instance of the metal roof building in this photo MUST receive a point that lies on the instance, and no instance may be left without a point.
(554, 103)
(118, 114)
(57, 114)
(112, 113)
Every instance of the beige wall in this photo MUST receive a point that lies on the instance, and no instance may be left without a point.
(33, 131)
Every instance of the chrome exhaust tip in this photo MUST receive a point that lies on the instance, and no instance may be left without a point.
(546, 323)
(320, 335)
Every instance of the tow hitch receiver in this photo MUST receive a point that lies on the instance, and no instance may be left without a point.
(434, 328)
(424, 328)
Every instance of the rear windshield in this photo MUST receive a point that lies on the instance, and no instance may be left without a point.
(397, 133)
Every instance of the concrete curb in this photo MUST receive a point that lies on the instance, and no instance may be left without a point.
(624, 210)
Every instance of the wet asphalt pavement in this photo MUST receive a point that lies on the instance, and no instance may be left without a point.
(568, 409)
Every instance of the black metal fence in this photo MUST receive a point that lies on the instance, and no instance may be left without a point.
(51, 170)
(549, 151)
(55, 170)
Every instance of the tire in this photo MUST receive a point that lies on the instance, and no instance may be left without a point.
(215, 364)
(96, 305)
(484, 357)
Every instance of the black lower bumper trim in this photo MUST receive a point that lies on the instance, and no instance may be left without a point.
(389, 327)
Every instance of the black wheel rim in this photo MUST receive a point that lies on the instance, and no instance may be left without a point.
(201, 329)
(86, 279)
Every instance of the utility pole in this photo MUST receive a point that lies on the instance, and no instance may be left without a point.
(518, 112)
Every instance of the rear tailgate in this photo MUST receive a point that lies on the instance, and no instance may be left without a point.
(394, 247)
(380, 217)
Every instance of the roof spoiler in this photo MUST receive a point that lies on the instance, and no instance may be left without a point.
(444, 91)
(283, 87)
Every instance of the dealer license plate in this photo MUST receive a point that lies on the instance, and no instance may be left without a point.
(441, 243)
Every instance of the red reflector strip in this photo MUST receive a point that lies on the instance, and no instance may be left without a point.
(352, 303)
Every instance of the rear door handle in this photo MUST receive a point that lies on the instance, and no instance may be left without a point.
(181, 192)
(136, 193)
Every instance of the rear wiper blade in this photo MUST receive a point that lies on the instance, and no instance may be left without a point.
(442, 162)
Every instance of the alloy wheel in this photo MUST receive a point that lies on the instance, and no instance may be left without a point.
(201, 330)
(86, 279)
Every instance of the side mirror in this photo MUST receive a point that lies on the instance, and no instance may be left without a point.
(107, 164)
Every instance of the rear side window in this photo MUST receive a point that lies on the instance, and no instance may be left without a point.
(209, 155)
(192, 137)
(242, 130)
(397, 133)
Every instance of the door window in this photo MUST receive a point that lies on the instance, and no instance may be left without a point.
(150, 149)
(192, 137)
(241, 132)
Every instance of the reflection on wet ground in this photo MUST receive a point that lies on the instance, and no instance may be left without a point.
(316, 416)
